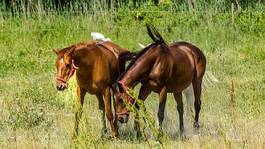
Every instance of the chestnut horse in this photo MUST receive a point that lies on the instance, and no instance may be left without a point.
(97, 65)
(162, 68)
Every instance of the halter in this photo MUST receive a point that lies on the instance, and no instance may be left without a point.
(71, 73)
(129, 99)
(123, 113)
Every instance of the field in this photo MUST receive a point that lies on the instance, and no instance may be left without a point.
(33, 114)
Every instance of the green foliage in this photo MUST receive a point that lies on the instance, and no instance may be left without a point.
(249, 21)
(29, 100)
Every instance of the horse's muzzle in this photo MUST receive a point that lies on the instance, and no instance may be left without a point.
(61, 86)
(123, 118)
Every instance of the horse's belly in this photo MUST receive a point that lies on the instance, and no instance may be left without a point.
(178, 85)
(93, 87)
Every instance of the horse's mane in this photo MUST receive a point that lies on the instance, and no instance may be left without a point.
(64, 50)
(139, 54)
(157, 40)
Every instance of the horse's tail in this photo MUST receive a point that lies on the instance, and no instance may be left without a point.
(208, 80)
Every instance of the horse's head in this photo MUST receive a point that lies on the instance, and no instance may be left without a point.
(122, 99)
(65, 68)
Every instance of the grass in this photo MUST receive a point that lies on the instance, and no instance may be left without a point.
(35, 115)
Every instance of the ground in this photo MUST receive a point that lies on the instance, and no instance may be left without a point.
(35, 115)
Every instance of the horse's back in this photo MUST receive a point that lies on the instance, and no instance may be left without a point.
(113, 47)
(197, 55)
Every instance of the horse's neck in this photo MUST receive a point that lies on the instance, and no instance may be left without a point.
(137, 72)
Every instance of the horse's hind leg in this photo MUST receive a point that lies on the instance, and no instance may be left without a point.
(178, 98)
(161, 109)
(197, 103)
(101, 107)
(80, 101)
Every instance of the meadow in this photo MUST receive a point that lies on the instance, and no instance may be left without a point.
(33, 114)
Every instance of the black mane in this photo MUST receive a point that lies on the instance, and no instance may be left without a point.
(157, 40)
(139, 54)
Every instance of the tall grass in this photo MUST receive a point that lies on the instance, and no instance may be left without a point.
(34, 115)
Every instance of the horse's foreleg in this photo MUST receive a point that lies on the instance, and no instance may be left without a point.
(161, 109)
(178, 98)
(113, 122)
(80, 100)
(143, 94)
(101, 107)
(197, 103)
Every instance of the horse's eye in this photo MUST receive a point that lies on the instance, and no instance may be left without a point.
(120, 100)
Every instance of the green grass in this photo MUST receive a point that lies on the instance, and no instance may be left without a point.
(34, 115)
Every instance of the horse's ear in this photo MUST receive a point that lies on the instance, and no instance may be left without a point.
(55, 51)
(115, 88)
(68, 55)
(154, 34)
(70, 51)
(120, 87)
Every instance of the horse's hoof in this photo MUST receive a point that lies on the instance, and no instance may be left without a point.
(139, 135)
(74, 137)
(111, 137)
(104, 130)
(103, 133)
(115, 136)
(160, 134)
(196, 125)
(183, 137)
(181, 133)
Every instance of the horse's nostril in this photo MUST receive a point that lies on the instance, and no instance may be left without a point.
(60, 87)
(121, 120)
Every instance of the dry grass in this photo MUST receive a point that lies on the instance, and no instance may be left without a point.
(34, 115)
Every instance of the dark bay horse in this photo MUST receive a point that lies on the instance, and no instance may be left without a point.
(98, 65)
(162, 68)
